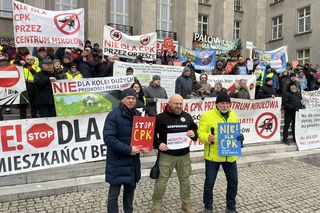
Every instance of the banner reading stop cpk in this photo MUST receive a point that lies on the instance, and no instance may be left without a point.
(37, 27)
(118, 43)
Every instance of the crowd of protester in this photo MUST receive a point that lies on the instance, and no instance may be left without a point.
(74, 63)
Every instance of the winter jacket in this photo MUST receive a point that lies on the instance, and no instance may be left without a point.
(184, 86)
(43, 89)
(208, 120)
(242, 93)
(266, 92)
(151, 92)
(292, 101)
(168, 122)
(121, 167)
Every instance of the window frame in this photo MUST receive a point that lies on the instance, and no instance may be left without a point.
(237, 5)
(167, 20)
(277, 26)
(236, 29)
(59, 4)
(204, 1)
(202, 23)
(304, 18)
(303, 59)
(124, 13)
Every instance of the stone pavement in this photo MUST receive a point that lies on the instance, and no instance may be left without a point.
(291, 186)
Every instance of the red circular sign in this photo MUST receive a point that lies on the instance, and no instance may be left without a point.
(251, 86)
(144, 40)
(116, 35)
(67, 23)
(9, 76)
(268, 126)
(40, 135)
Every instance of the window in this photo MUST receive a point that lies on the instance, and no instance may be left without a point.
(237, 5)
(6, 8)
(277, 27)
(203, 24)
(277, 1)
(164, 15)
(303, 56)
(304, 20)
(236, 30)
(204, 1)
(119, 12)
(65, 4)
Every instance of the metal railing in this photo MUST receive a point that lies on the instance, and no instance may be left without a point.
(161, 34)
(5, 14)
(123, 28)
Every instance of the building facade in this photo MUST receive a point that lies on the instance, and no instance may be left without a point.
(269, 24)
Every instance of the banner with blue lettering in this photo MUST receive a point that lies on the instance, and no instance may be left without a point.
(200, 59)
(277, 59)
(227, 139)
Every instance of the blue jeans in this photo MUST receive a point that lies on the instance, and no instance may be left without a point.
(113, 195)
(231, 172)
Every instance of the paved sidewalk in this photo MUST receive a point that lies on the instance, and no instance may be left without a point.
(292, 186)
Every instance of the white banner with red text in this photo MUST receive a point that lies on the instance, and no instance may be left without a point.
(307, 125)
(38, 27)
(118, 43)
(50, 142)
(259, 119)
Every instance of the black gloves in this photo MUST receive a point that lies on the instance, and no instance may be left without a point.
(240, 137)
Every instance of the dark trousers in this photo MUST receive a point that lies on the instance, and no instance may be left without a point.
(114, 192)
(47, 110)
(1, 114)
(231, 172)
(289, 118)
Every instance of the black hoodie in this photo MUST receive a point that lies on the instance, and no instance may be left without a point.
(168, 122)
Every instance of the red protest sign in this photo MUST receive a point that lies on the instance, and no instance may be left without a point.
(294, 63)
(168, 43)
(143, 132)
(40, 135)
(9, 76)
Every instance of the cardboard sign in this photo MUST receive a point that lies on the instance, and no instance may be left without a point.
(168, 43)
(143, 132)
(227, 139)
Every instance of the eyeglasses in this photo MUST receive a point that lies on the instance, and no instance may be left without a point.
(73, 67)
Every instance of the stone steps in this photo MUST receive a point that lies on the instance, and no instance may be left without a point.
(82, 177)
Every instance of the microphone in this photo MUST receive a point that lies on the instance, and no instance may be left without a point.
(212, 132)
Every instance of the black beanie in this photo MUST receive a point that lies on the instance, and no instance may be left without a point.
(128, 92)
(223, 97)
(292, 75)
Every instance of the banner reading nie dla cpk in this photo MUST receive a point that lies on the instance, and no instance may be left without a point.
(37, 27)
(118, 43)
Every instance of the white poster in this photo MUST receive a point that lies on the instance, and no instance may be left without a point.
(144, 73)
(177, 140)
(38, 27)
(50, 142)
(12, 86)
(118, 43)
(259, 119)
(311, 99)
(307, 127)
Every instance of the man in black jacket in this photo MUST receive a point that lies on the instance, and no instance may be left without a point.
(291, 103)
(44, 95)
(174, 128)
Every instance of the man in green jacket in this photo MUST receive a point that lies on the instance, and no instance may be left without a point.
(208, 134)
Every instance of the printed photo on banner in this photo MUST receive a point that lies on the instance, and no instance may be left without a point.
(277, 59)
(38, 27)
(12, 86)
(228, 145)
(88, 96)
(143, 132)
(200, 59)
(118, 43)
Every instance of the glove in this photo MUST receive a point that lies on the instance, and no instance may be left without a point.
(240, 137)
